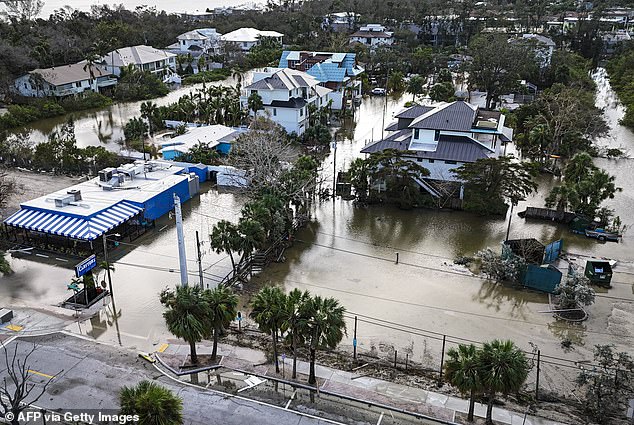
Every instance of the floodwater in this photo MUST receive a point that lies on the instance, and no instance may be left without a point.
(349, 252)
(104, 127)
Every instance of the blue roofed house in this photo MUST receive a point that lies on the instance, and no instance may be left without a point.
(337, 71)
(444, 137)
(218, 137)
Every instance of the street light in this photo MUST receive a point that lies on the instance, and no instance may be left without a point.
(105, 257)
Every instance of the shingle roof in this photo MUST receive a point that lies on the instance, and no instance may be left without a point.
(293, 102)
(66, 74)
(456, 116)
(414, 111)
(285, 78)
(392, 127)
(450, 148)
(136, 55)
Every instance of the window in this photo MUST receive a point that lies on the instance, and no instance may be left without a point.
(78, 84)
(436, 135)
(274, 112)
(431, 161)
(416, 133)
(290, 93)
(301, 112)
(419, 159)
(450, 162)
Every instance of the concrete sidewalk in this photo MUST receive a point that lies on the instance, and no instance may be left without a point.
(399, 396)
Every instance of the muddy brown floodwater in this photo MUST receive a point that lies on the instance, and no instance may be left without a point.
(349, 252)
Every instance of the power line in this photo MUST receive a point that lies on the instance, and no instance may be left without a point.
(431, 307)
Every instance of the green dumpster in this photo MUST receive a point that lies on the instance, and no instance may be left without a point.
(599, 272)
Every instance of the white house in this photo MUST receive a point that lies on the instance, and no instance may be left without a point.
(246, 38)
(218, 137)
(543, 47)
(144, 58)
(444, 137)
(286, 94)
(64, 80)
(373, 35)
(340, 21)
(196, 42)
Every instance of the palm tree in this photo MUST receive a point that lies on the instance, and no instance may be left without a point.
(415, 86)
(91, 60)
(148, 111)
(321, 326)
(155, 405)
(295, 301)
(188, 315)
(255, 103)
(201, 63)
(223, 308)
(252, 237)
(268, 312)
(225, 238)
(237, 74)
(461, 371)
(503, 368)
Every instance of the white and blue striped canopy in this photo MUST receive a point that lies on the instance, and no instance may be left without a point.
(74, 227)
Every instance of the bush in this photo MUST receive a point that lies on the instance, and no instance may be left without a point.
(139, 85)
(88, 100)
(207, 76)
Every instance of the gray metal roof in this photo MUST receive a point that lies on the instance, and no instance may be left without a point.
(293, 102)
(456, 116)
(286, 78)
(414, 111)
(450, 148)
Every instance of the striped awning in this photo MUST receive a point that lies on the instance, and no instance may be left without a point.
(73, 227)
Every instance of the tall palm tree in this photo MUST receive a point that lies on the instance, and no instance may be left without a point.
(255, 103)
(461, 371)
(188, 315)
(91, 60)
(295, 301)
(268, 312)
(503, 368)
(225, 238)
(252, 237)
(155, 405)
(321, 326)
(148, 111)
(223, 308)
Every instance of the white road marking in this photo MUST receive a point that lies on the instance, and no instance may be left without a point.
(290, 399)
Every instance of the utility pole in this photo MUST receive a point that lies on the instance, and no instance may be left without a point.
(508, 229)
(105, 258)
(200, 262)
(334, 169)
(181, 239)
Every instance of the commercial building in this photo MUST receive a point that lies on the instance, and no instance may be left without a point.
(125, 200)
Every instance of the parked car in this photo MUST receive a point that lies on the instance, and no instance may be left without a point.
(602, 235)
(378, 91)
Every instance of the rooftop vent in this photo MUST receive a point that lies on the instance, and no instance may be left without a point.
(76, 194)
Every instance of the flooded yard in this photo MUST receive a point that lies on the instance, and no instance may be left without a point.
(349, 252)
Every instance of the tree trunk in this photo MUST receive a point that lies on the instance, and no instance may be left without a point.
(488, 100)
(471, 406)
(294, 353)
(233, 263)
(489, 419)
(215, 349)
(277, 363)
(192, 352)
(311, 377)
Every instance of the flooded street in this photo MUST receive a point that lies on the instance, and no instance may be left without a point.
(104, 127)
(349, 252)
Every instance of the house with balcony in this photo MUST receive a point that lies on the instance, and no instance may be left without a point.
(442, 138)
(245, 38)
(286, 95)
(197, 42)
(340, 21)
(65, 80)
(373, 35)
(338, 72)
(144, 58)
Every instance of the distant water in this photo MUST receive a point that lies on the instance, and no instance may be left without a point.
(172, 6)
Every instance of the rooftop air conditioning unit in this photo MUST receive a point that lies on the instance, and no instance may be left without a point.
(76, 194)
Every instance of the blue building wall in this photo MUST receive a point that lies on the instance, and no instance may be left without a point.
(163, 202)
(224, 148)
(170, 155)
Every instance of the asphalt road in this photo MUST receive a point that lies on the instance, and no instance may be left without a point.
(88, 376)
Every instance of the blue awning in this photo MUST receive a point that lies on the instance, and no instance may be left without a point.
(73, 227)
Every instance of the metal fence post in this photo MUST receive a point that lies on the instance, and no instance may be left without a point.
(395, 353)
(537, 380)
(354, 340)
(442, 356)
